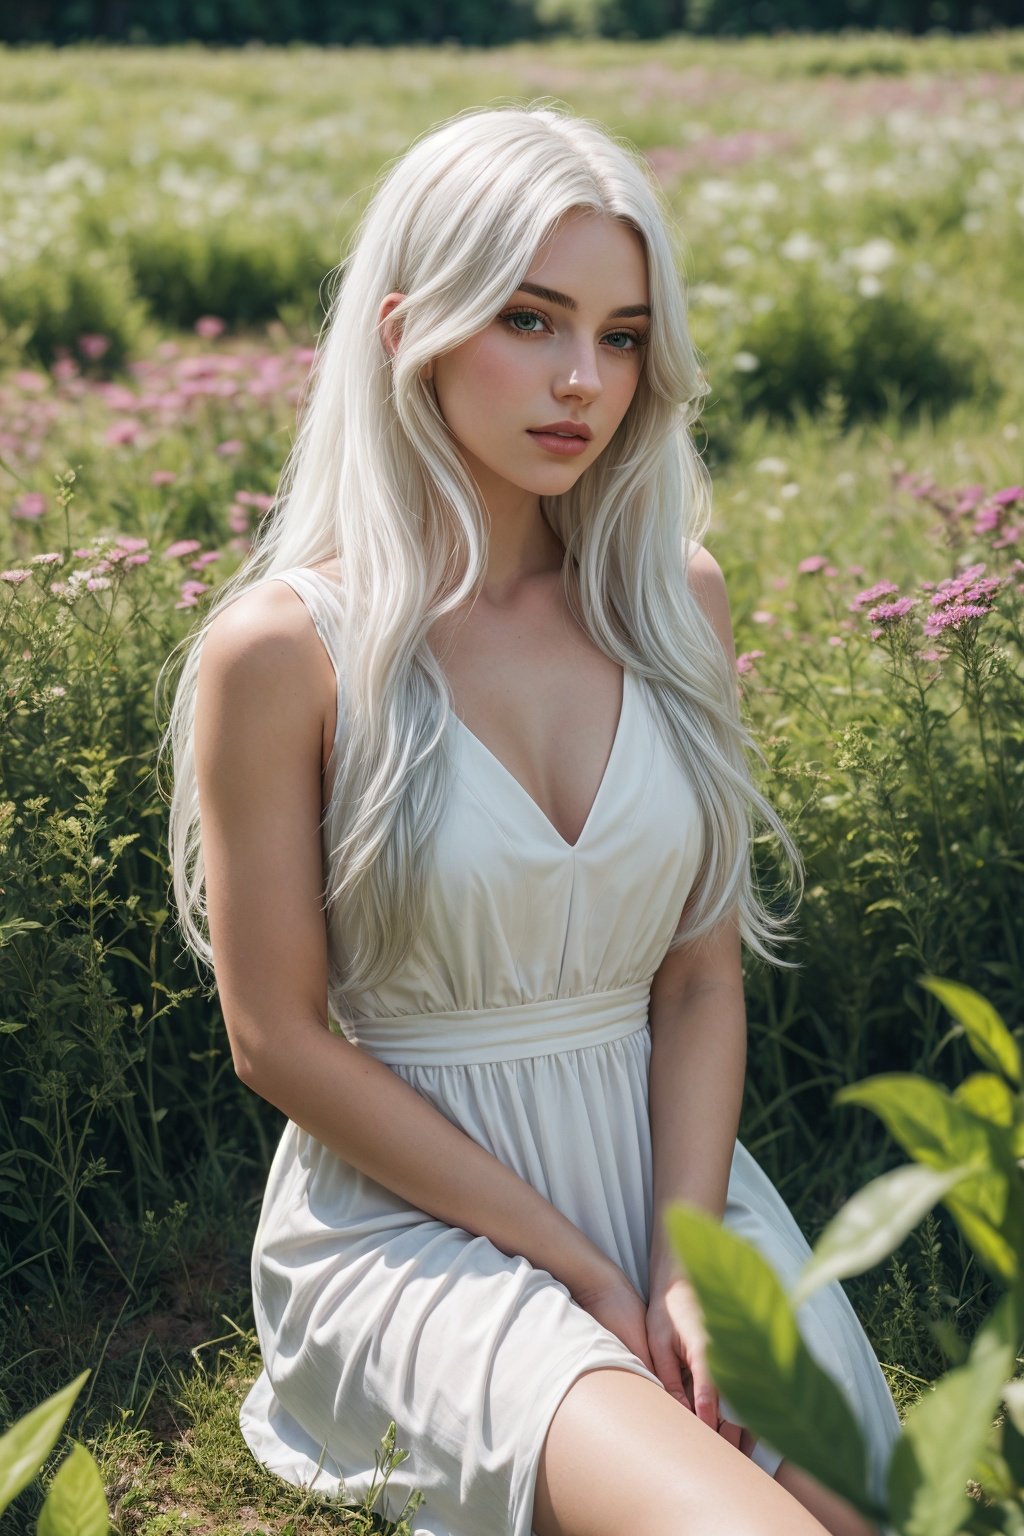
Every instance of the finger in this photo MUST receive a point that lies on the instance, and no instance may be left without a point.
(730, 1432)
(705, 1395)
(669, 1371)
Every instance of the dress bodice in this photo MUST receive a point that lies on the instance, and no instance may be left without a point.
(515, 915)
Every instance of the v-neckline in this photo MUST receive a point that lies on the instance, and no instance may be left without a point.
(524, 793)
(491, 757)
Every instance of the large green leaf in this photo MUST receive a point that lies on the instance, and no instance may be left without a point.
(26, 1445)
(872, 1223)
(75, 1504)
(946, 1431)
(987, 1035)
(935, 1130)
(759, 1360)
(986, 1094)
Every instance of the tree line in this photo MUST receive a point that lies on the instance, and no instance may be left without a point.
(472, 23)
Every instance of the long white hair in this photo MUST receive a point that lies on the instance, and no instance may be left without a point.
(374, 479)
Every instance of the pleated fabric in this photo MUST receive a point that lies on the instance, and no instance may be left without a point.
(521, 1014)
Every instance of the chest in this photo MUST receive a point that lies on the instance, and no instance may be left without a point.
(537, 702)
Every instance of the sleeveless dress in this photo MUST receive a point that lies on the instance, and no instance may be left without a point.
(522, 1016)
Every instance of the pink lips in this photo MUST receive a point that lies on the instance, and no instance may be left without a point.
(573, 428)
(566, 445)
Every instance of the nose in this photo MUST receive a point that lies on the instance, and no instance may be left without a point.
(579, 378)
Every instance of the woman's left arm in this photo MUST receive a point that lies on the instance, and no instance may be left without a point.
(698, 1066)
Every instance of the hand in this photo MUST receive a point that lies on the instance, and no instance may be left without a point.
(678, 1341)
(620, 1308)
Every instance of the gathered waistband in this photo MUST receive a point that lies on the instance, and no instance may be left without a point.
(503, 1034)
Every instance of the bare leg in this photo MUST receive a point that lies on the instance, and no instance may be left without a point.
(622, 1454)
(835, 1514)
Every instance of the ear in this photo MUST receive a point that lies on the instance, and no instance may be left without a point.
(390, 330)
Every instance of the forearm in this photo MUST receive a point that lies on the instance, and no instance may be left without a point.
(698, 1065)
(372, 1119)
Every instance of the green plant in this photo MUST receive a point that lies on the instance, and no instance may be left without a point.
(75, 1503)
(965, 1149)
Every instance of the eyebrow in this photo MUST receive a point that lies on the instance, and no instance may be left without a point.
(554, 297)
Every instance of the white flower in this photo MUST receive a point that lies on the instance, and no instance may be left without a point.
(771, 466)
(745, 362)
(800, 247)
(869, 285)
(872, 256)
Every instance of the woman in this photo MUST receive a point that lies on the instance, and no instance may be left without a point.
(475, 856)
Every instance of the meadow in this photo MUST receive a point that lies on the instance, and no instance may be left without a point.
(851, 211)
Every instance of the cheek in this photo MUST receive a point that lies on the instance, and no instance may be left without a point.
(470, 386)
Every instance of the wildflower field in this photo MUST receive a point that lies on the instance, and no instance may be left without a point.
(853, 215)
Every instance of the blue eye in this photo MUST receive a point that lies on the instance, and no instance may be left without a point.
(522, 314)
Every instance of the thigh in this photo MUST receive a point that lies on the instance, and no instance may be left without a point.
(835, 1513)
(621, 1454)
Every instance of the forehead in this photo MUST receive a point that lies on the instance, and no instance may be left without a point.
(591, 256)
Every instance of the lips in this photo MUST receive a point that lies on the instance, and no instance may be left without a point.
(564, 429)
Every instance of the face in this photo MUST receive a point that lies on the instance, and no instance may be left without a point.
(567, 356)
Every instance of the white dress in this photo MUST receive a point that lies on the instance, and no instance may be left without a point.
(522, 1016)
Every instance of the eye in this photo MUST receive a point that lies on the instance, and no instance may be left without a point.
(636, 337)
(512, 315)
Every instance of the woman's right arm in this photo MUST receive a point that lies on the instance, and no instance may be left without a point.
(262, 682)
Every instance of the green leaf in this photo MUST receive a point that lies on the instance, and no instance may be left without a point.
(75, 1504)
(758, 1358)
(946, 1432)
(872, 1223)
(1013, 1448)
(26, 1445)
(987, 1035)
(986, 1094)
(935, 1130)
(1013, 1398)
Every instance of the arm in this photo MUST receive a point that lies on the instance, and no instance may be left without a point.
(699, 1036)
(263, 680)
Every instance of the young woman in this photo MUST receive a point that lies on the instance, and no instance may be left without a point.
(462, 789)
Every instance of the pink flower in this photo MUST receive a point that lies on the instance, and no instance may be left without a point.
(762, 616)
(162, 477)
(124, 431)
(889, 613)
(181, 547)
(872, 594)
(745, 661)
(209, 326)
(93, 345)
(16, 576)
(29, 379)
(836, 640)
(953, 617)
(230, 447)
(30, 506)
(812, 563)
(1009, 496)
(969, 587)
(969, 498)
(48, 559)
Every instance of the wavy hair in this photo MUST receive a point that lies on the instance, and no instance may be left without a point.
(374, 479)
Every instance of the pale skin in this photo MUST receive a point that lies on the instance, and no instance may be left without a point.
(528, 681)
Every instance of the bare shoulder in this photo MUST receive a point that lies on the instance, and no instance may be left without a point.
(707, 583)
(263, 649)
